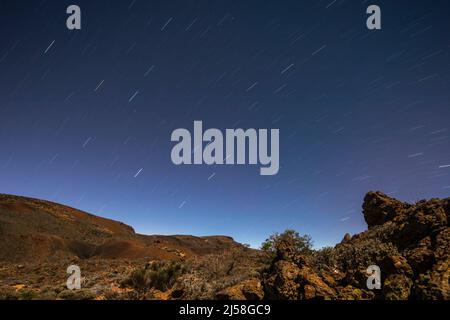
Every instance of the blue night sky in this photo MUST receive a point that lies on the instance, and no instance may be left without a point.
(82, 112)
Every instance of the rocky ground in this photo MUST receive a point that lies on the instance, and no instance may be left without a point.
(409, 242)
(201, 277)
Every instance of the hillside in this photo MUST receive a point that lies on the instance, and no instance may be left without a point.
(34, 231)
(410, 243)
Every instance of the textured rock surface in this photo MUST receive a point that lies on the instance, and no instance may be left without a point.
(409, 242)
(250, 289)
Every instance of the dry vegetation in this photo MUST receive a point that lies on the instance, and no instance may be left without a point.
(410, 243)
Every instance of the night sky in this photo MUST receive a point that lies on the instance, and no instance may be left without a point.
(86, 116)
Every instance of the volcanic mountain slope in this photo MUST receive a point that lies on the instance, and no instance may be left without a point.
(410, 243)
(35, 231)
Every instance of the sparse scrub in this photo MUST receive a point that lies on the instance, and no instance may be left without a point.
(289, 239)
(28, 295)
(212, 273)
(358, 255)
(160, 275)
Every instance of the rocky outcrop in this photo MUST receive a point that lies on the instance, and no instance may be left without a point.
(291, 278)
(378, 208)
(289, 281)
(409, 242)
(250, 289)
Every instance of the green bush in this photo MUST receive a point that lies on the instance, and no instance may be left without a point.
(324, 257)
(358, 255)
(160, 275)
(301, 244)
(28, 295)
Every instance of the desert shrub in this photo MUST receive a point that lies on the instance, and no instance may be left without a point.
(235, 261)
(212, 273)
(160, 275)
(28, 295)
(357, 255)
(196, 286)
(323, 258)
(301, 244)
(136, 279)
(364, 254)
(81, 294)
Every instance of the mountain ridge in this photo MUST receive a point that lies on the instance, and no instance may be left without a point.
(409, 243)
(34, 229)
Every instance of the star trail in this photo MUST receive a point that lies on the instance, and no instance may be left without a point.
(86, 115)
